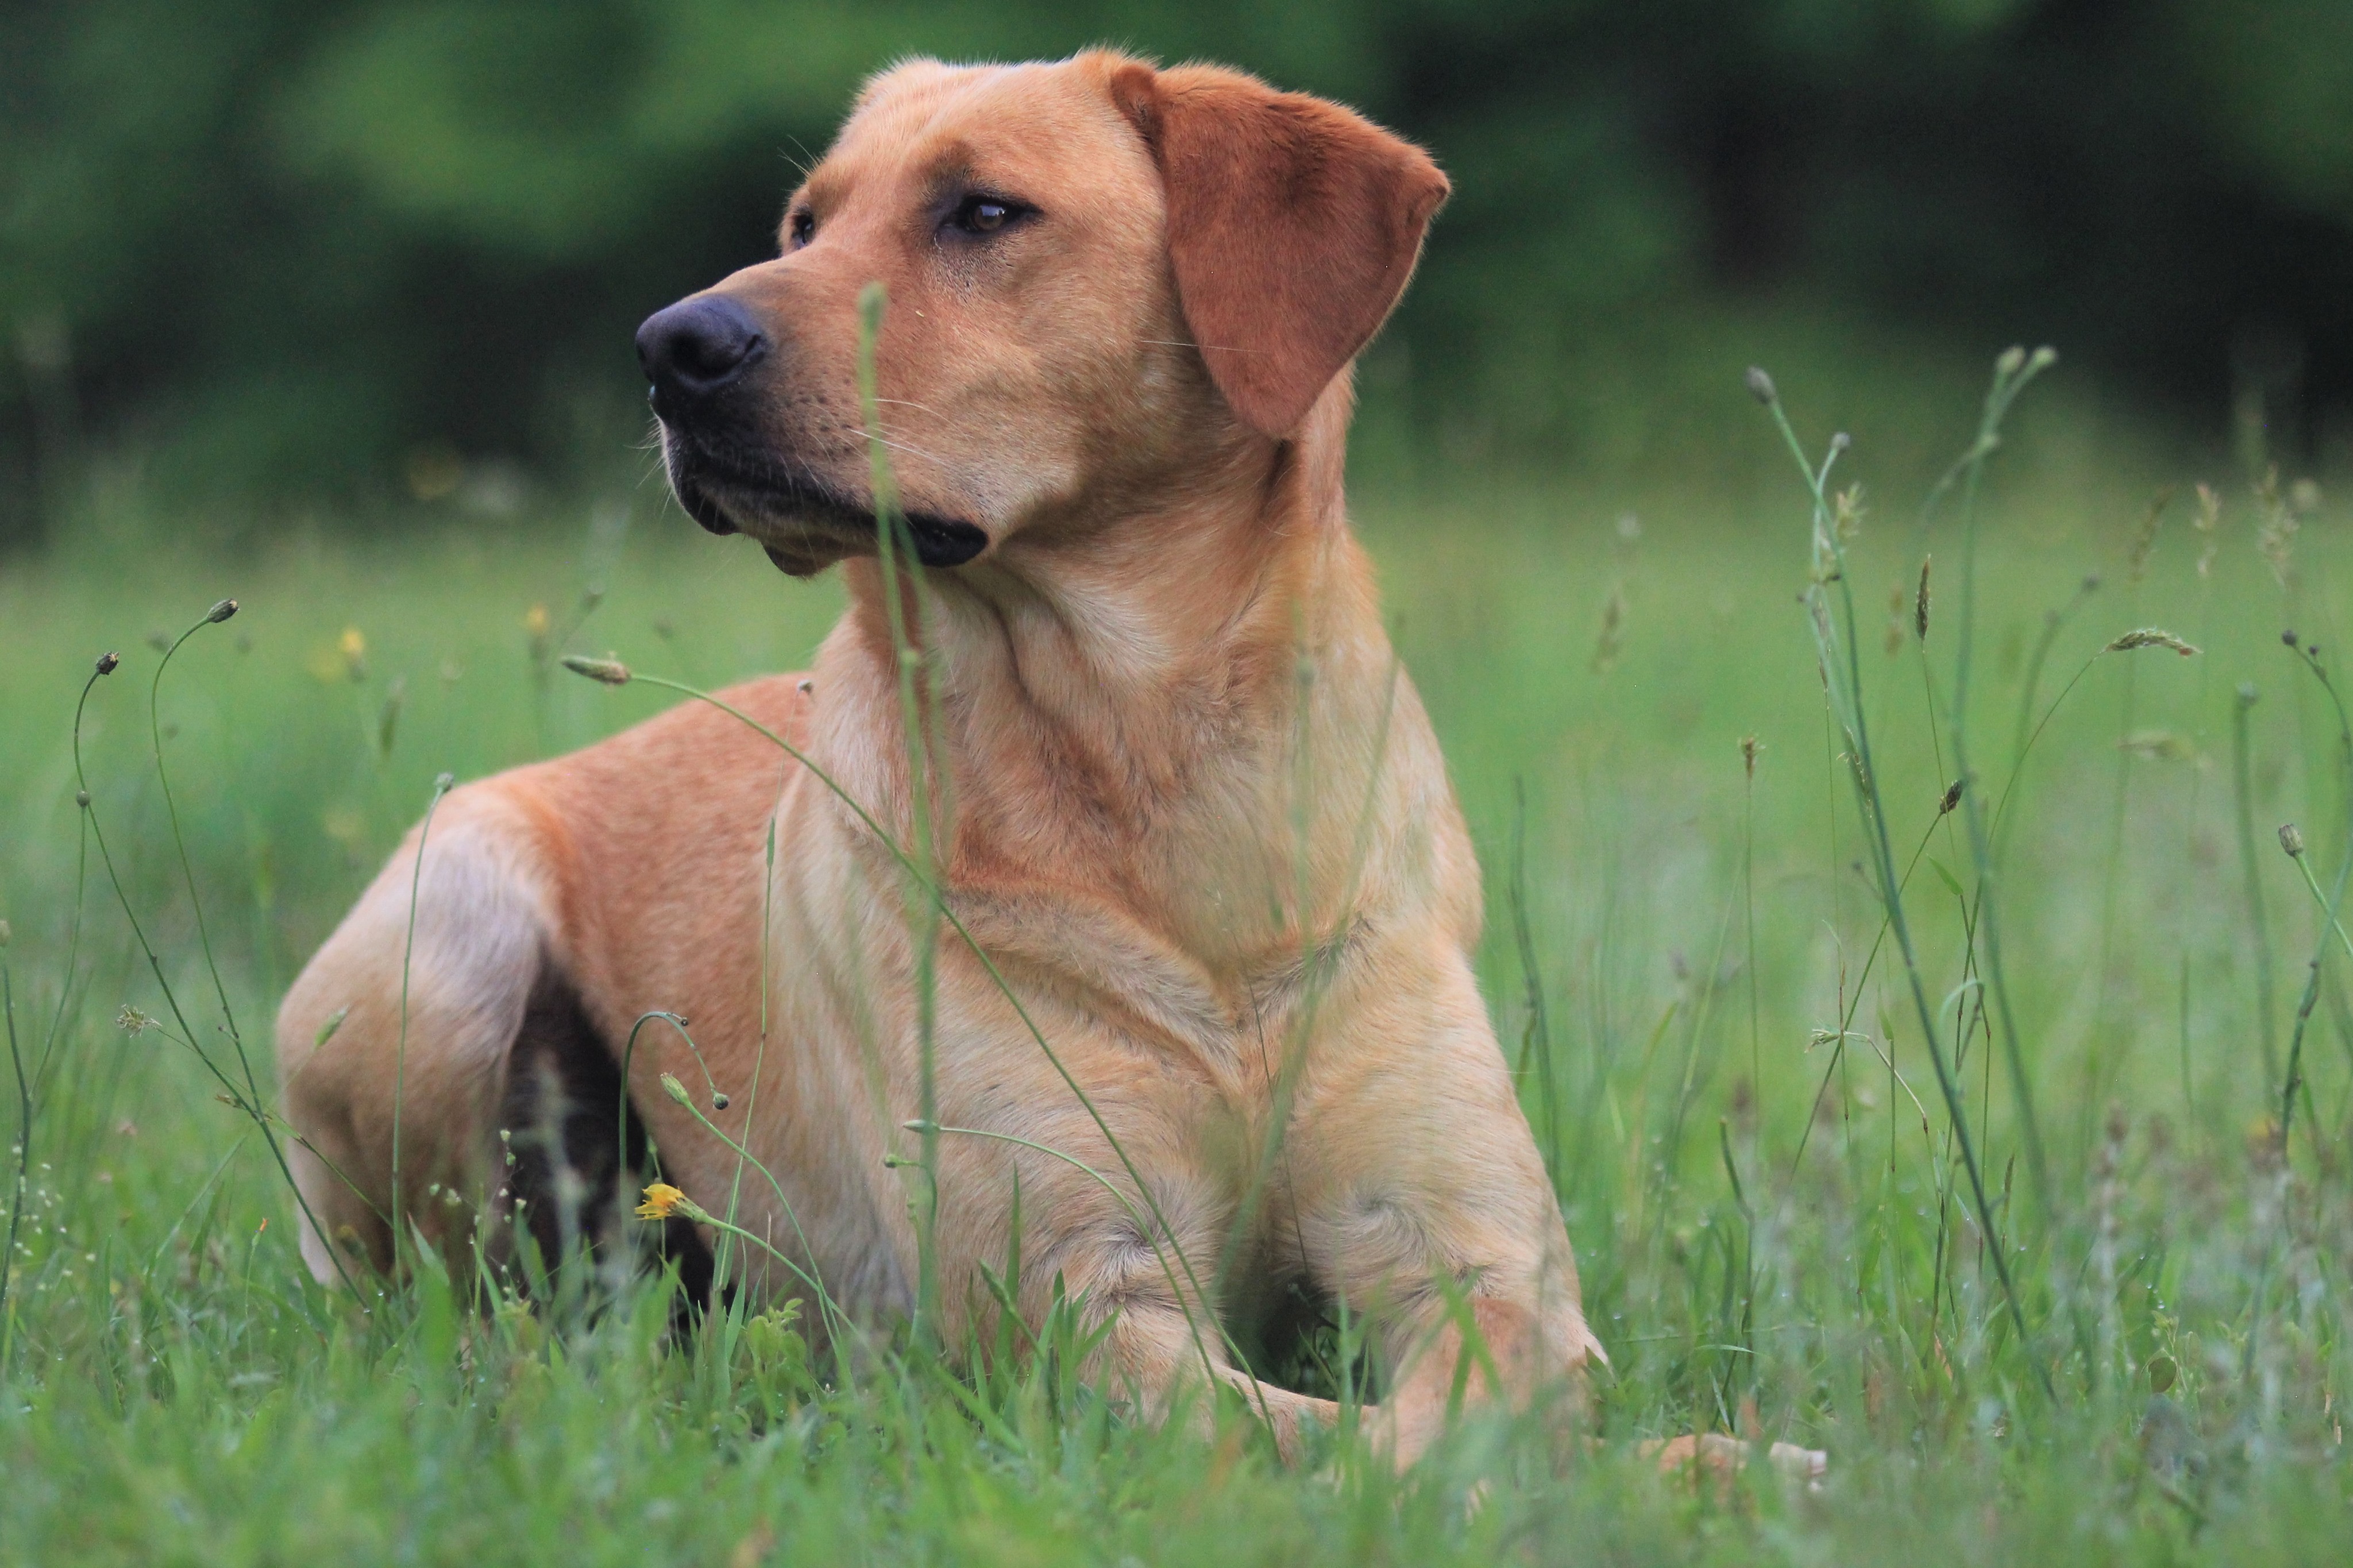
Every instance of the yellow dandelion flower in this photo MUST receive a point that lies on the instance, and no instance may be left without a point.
(660, 1198)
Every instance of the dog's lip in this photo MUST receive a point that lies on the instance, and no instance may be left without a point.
(706, 483)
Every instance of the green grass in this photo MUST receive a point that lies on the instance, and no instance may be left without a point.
(1767, 1216)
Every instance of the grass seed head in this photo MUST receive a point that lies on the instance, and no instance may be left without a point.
(2209, 509)
(2150, 636)
(1760, 386)
(2292, 840)
(133, 1022)
(2159, 746)
(2276, 537)
(1952, 797)
(109, 662)
(2145, 542)
(1749, 746)
(1920, 602)
(611, 671)
(1846, 507)
(1613, 631)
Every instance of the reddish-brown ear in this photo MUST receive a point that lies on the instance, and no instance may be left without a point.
(1292, 227)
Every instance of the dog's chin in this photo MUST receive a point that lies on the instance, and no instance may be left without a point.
(805, 528)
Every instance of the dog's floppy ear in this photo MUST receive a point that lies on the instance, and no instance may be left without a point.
(1293, 225)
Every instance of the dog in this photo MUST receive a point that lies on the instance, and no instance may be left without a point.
(1197, 992)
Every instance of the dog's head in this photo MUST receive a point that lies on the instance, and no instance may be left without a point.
(1100, 277)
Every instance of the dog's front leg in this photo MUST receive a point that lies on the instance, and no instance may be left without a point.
(1421, 1202)
(1141, 1272)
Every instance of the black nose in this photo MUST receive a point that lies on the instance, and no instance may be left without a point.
(696, 349)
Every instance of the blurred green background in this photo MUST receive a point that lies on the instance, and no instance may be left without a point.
(266, 255)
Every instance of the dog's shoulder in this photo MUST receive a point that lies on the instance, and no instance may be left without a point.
(696, 761)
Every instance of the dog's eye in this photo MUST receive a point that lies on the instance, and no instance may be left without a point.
(802, 226)
(983, 216)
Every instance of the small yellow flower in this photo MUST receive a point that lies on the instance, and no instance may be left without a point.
(353, 643)
(536, 621)
(660, 1198)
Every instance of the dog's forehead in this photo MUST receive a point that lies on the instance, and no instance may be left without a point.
(1013, 124)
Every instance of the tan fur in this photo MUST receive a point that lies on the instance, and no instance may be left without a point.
(1199, 816)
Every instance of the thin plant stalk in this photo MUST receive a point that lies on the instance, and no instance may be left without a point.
(922, 924)
(235, 1097)
(1843, 679)
(1748, 900)
(220, 611)
(24, 1142)
(2295, 1076)
(1535, 1044)
(400, 1050)
(2012, 372)
(2258, 915)
(835, 1317)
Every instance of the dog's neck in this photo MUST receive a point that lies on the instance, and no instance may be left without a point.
(1153, 711)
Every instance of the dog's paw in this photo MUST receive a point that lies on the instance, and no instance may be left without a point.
(1719, 1458)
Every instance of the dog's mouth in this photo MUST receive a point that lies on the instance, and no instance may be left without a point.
(803, 522)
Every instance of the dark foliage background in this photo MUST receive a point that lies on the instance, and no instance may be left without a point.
(292, 248)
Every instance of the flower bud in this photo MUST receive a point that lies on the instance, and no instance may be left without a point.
(1760, 386)
(2292, 840)
(221, 611)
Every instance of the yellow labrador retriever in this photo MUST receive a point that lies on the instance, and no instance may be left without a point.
(1190, 809)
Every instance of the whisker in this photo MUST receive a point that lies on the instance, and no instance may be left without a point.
(1204, 348)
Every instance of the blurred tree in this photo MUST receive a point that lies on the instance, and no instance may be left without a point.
(280, 246)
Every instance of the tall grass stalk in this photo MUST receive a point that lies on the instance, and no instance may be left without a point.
(1536, 1036)
(2258, 917)
(23, 1150)
(2013, 372)
(892, 535)
(1842, 680)
(245, 1100)
(2294, 1078)
(441, 787)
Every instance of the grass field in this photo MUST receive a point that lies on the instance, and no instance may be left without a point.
(1766, 1186)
